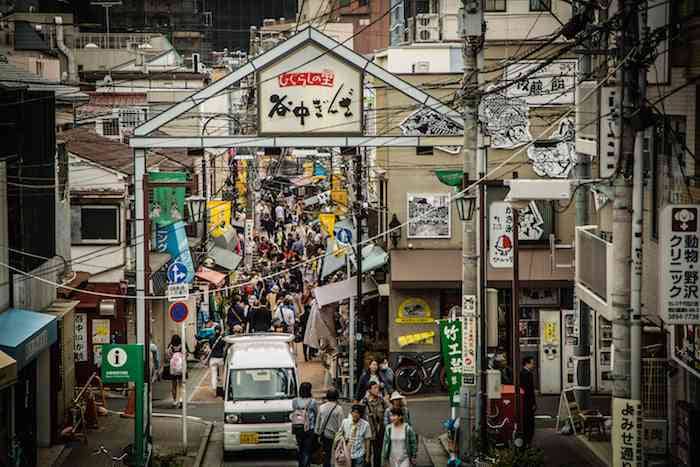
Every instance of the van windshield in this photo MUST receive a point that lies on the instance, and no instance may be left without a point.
(259, 384)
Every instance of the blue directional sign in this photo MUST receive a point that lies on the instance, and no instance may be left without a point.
(178, 312)
(343, 235)
(177, 273)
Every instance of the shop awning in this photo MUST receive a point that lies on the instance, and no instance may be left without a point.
(225, 258)
(373, 257)
(213, 277)
(426, 268)
(339, 291)
(25, 334)
(8, 370)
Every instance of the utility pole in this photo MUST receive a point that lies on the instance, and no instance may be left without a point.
(582, 351)
(622, 205)
(473, 35)
(358, 212)
(250, 213)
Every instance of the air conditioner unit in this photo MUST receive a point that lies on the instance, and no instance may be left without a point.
(427, 27)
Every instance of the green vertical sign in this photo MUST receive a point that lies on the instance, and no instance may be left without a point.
(451, 348)
(167, 204)
(123, 363)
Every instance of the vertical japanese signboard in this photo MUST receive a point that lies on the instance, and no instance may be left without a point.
(80, 348)
(310, 90)
(451, 347)
(469, 341)
(627, 433)
(679, 264)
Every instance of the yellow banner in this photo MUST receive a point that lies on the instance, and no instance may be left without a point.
(327, 221)
(219, 216)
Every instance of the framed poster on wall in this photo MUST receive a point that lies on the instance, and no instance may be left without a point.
(431, 215)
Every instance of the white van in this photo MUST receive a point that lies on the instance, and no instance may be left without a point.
(260, 382)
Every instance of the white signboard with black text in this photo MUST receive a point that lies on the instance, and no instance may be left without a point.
(679, 265)
(310, 90)
(626, 433)
(501, 231)
(609, 131)
(552, 84)
(469, 341)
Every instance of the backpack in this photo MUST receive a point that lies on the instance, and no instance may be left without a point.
(176, 363)
(300, 420)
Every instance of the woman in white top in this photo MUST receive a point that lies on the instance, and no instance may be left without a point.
(400, 443)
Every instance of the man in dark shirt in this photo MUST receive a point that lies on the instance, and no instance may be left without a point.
(527, 382)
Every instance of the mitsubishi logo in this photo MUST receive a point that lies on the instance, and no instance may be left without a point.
(262, 417)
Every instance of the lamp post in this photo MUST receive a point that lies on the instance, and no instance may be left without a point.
(466, 204)
(196, 206)
(394, 227)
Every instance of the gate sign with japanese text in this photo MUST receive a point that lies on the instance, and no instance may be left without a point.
(626, 433)
(310, 90)
(679, 265)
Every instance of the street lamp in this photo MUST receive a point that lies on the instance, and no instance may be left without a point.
(466, 204)
(395, 234)
(195, 206)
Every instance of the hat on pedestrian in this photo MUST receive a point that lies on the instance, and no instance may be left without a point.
(396, 396)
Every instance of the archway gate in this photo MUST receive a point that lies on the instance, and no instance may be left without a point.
(309, 92)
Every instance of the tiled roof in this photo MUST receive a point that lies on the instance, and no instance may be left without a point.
(13, 77)
(85, 143)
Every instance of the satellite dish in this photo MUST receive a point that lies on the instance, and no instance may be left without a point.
(91, 45)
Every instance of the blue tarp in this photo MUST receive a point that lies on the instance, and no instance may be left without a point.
(25, 334)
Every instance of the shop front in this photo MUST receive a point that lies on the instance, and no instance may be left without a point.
(27, 337)
(425, 285)
(8, 377)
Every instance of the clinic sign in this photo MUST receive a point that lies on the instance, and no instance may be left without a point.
(679, 264)
(310, 90)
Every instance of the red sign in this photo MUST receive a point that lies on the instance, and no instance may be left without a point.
(324, 78)
(179, 311)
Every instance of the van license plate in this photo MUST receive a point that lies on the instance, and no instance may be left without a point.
(249, 438)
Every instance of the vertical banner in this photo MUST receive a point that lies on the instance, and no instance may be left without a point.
(469, 340)
(219, 216)
(173, 240)
(327, 221)
(627, 433)
(167, 204)
(451, 348)
(80, 348)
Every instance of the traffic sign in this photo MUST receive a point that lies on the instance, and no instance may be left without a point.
(177, 273)
(178, 312)
(343, 235)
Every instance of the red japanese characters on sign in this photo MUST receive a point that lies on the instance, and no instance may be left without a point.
(325, 78)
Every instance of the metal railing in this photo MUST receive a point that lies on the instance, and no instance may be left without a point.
(114, 40)
(593, 265)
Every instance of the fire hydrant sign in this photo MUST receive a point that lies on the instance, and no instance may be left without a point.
(626, 433)
(310, 90)
(679, 264)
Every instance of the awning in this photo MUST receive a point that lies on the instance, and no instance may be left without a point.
(339, 291)
(426, 268)
(8, 370)
(225, 258)
(373, 257)
(213, 277)
(25, 334)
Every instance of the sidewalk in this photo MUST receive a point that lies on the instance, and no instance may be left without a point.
(115, 433)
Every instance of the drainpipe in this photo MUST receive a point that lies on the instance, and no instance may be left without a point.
(70, 58)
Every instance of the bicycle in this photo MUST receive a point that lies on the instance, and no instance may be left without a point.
(17, 453)
(412, 374)
(116, 461)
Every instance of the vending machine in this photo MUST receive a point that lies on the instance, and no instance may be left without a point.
(571, 335)
(550, 352)
(603, 354)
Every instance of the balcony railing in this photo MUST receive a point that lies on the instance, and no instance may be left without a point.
(114, 40)
(593, 257)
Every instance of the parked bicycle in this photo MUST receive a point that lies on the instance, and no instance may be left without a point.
(415, 373)
(115, 461)
(17, 455)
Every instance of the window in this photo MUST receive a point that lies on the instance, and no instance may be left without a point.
(540, 5)
(131, 118)
(39, 68)
(110, 127)
(494, 5)
(95, 224)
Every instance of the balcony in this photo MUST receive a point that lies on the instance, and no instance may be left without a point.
(594, 258)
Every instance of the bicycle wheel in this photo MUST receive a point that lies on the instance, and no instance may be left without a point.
(408, 380)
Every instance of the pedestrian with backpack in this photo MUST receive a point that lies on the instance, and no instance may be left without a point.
(175, 358)
(330, 417)
(303, 417)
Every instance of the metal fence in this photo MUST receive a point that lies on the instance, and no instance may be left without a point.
(654, 387)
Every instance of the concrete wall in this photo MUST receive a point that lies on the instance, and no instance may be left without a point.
(101, 59)
(518, 22)
(441, 56)
(395, 330)
(41, 65)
